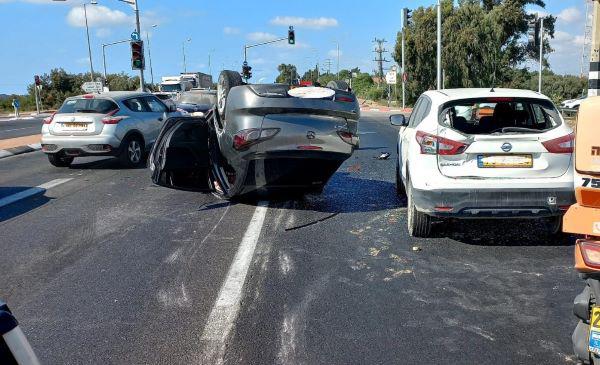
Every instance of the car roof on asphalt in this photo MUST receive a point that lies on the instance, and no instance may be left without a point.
(446, 95)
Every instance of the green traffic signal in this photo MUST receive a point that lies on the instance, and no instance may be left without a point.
(291, 36)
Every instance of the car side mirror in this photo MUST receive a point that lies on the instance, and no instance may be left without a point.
(398, 120)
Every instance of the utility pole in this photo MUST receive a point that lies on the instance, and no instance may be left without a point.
(328, 64)
(587, 39)
(439, 45)
(594, 74)
(379, 58)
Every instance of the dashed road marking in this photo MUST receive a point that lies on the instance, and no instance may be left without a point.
(225, 310)
(32, 191)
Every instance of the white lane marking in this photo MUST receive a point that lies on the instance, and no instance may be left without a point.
(32, 191)
(225, 310)
(18, 129)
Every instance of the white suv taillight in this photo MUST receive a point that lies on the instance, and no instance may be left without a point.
(436, 145)
(563, 144)
(111, 119)
(48, 120)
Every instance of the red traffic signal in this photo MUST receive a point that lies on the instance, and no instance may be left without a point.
(37, 80)
(137, 55)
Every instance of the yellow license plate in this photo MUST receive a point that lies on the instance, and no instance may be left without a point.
(505, 161)
(594, 342)
(76, 125)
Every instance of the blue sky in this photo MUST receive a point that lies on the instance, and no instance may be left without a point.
(42, 34)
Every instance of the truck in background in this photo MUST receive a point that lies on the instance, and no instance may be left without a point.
(199, 80)
(175, 84)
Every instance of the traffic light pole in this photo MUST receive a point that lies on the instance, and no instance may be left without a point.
(439, 45)
(137, 26)
(104, 45)
(260, 44)
(403, 73)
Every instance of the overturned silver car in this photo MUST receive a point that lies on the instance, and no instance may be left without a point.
(258, 138)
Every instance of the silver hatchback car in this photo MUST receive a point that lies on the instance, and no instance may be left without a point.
(124, 124)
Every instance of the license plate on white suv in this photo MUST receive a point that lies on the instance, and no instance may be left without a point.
(505, 161)
(74, 126)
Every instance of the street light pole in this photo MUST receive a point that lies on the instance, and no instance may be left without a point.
(183, 49)
(87, 31)
(150, 55)
(541, 54)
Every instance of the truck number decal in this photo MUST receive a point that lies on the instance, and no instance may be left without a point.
(593, 183)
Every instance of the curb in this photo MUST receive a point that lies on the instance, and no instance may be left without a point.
(20, 150)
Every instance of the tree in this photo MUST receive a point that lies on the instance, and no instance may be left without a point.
(287, 73)
(482, 43)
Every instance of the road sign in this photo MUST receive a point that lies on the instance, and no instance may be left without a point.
(355, 74)
(391, 77)
(92, 87)
(135, 36)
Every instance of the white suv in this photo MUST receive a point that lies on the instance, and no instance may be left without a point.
(481, 153)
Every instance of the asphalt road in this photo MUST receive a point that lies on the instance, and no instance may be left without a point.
(12, 128)
(107, 268)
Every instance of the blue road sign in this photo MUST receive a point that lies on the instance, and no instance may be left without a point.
(135, 36)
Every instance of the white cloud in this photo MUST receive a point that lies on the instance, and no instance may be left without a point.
(231, 30)
(98, 16)
(299, 22)
(570, 15)
(261, 37)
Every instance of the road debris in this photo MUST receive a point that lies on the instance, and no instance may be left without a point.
(416, 248)
(313, 222)
(384, 156)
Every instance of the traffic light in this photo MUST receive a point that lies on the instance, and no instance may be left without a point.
(246, 71)
(291, 35)
(137, 55)
(37, 80)
(406, 16)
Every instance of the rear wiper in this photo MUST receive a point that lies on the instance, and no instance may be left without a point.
(515, 129)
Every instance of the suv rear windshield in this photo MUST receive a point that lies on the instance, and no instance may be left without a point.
(81, 105)
(500, 116)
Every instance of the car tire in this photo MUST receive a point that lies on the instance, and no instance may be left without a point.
(227, 80)
(338, 85)
(400, 189)
(419, 224)
(60, 160)
(132, 152)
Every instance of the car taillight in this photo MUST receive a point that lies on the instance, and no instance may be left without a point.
(563, 144)
(347, 137)
(590, 251)
(88, 96)
(434, 145)
(111, 119)
(48, 120)
(345, 99)
(247, 137)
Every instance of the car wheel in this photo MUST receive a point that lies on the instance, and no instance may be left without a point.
(133, 152)
(60, 160)
(400, 189)
(227, 81)
(419, 224)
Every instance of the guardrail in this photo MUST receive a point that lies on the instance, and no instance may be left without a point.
(569, 114)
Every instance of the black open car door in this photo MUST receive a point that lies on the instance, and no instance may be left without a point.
(180, 156)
